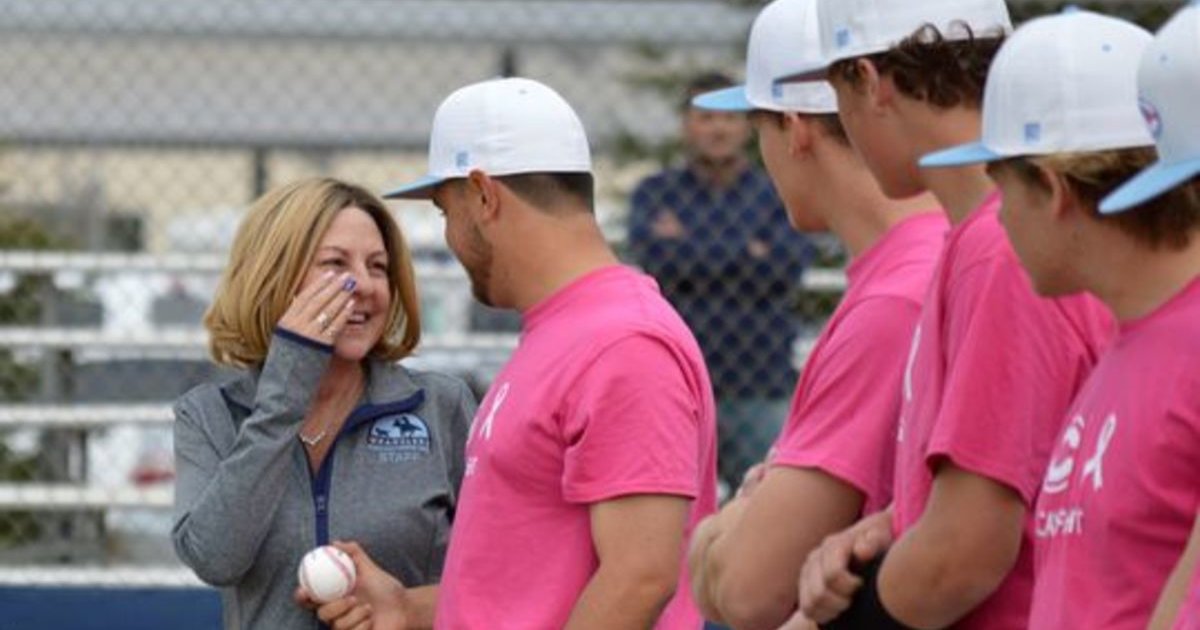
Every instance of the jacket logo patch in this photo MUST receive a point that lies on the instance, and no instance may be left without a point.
(401, 437)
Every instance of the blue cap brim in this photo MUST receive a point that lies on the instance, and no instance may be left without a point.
(731, 99)
(420, 189)
(962, 155)
(1149, 184)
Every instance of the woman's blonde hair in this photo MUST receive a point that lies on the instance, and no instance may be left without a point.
(271, 254)
(1168, 222)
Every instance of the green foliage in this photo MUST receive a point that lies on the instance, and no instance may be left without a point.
(19, 306)
(17, 527)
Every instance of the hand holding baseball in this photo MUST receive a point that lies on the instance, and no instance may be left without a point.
(378, 600)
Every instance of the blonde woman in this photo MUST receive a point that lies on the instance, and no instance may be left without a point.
(321, 435)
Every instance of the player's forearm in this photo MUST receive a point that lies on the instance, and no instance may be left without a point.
(629, 598)
(700, 569)
(1169, 602)
(708, 556)
(759, 563)
(933, 576)
(739, 594)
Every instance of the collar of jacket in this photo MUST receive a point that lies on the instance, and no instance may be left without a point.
(390, 390)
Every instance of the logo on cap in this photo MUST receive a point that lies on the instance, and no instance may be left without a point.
(842, 37)
(1033, 132)
(776, 90)
(462, 159)
(1153, 120)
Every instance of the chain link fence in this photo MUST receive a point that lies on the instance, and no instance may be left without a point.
(135, 132)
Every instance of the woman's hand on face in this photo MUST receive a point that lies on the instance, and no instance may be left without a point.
(320, 310)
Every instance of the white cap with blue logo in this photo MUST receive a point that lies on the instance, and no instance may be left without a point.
(501, 127)
(785, 32)
(857, 28)
(1062, 83)
(1169, 84)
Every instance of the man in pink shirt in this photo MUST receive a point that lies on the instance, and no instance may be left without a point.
(1170, 79)
(1119, 494)
(592, 456)
(833, 459)
(992, 366)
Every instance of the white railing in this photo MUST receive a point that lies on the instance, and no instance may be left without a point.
(32, 261)
(84, 416)
(464, 349)
(196, 339)
(815, 279)
(115, 576)
(824, 280)
(72, 497)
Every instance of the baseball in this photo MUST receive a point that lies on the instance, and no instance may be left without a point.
(327, 573)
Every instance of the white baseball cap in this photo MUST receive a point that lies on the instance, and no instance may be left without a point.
(1061, 83)
(857, 28)
(784, 33)
(1169, 83)
(501, 127)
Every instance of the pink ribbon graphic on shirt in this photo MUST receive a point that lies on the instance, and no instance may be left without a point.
(501, 394)
(1095, 465)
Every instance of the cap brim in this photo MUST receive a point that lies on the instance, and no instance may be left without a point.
(962, 155)
(1149, 184)
(420, 189)
(805, 75)
(731, 99)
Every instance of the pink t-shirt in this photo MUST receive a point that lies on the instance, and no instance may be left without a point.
(1123, 487)
(607, 395)
(843, 415)
(990, 374)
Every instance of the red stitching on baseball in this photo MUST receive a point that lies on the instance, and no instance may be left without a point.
(340, 565)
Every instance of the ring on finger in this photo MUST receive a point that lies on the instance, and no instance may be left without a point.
(322, 320)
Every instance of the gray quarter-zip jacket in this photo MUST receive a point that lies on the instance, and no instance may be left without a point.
(247, 507)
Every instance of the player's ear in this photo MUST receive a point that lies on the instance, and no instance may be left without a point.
(483, 196)
(799, 133)
(1064, 201)
(879, 89)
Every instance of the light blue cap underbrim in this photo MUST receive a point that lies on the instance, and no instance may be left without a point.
(732, 99)
(420, 189)
(1149, 184)
(962, 155)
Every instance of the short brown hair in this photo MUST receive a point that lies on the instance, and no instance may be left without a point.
(831, 124)
(548, 191)
(1168, 222)
(928, 67)
(271, 253)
